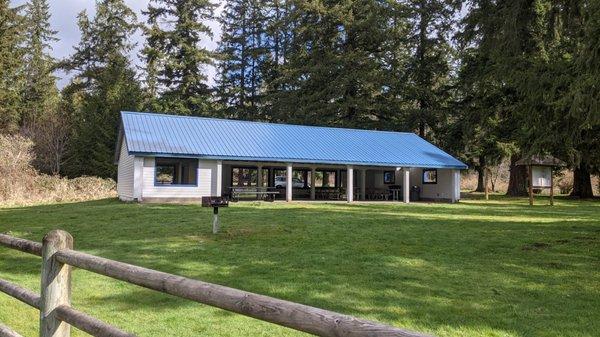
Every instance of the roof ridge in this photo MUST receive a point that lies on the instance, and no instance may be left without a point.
(264, 123)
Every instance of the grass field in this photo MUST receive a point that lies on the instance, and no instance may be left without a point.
(497, 268)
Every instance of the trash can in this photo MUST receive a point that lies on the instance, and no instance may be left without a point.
(415, 193)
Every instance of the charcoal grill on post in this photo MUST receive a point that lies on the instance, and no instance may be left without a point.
(215, 203)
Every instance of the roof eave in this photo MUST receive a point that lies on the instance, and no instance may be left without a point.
(294, 160)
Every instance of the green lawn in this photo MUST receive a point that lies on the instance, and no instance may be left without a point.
(497, 268)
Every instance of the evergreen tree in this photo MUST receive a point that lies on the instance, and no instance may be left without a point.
(11, 71)
(243, 53)
(506, 37)
(561, 109)
(428, 69)
(280, 26)
(104, 84)
(40, 94)
(333, 70)
(174, 56)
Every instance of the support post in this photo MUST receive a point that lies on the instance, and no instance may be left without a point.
(259, 176)
(350, 184)
(551, 187)
(56, 284)
(406, 185)
(288, 185)
(486, 190)
(530, 174)
(455, 186)
(363, 184)
(313, 173)
(259, 181)
(219, 179)
(216, 226)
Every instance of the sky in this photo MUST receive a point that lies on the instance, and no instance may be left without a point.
(64, 21)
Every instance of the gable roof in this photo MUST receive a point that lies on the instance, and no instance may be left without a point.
(151, 134)
(540, 161)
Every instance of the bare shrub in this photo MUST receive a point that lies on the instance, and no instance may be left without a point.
(20, 184)
(564, 182)
(498, 178)
(16, 172)
(468, 181)
(50, 134)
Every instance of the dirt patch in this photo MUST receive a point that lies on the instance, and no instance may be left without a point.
(585, 238)
(536, 246)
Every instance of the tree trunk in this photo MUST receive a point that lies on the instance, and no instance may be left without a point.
(480, 174)
(517, 183)
(582, 182)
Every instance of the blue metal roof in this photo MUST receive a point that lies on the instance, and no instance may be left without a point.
(170, 135)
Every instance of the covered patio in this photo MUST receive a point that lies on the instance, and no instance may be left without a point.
(336, 182)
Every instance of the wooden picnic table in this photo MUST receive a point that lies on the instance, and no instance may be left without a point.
(264, 193)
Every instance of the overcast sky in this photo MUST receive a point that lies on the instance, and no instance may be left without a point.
(64, 20)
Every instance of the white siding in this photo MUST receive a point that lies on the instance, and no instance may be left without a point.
(125, 174)
(444, 189)
(206, 185)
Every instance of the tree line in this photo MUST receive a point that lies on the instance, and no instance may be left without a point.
(488, 80)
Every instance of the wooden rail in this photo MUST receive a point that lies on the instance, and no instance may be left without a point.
(57, 314)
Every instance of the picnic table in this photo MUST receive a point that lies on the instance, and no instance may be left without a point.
(264, 193)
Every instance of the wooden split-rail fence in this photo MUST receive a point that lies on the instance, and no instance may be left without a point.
(57, 315)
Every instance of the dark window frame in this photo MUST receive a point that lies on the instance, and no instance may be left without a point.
(431, 182)
(393, 181)
(156, 165)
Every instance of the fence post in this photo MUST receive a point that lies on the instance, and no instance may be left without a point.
(56, 284)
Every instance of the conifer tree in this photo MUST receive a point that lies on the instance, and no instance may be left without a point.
(243, 53)
(503, 39)
(428, 70)
(333, 71)
(104, 84)
(40, 94)
(175, 55)
(11, 71)
(561, 109)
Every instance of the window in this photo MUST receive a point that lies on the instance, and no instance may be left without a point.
(430, 176)
(389, 177)
(175, 171)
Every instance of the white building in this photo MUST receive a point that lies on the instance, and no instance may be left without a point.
(164, 158)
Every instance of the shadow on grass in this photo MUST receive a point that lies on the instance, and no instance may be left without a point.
(471, 267)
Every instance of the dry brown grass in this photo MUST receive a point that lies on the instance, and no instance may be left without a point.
(21, 184)
(563, 181)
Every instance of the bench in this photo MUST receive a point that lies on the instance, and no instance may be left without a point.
(263, 193)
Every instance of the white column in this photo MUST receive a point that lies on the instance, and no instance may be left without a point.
(313, 173)
(406, 185)
(138, 177)
(456, 186)
(259, 176)
(363, 184)
(350, 184)
(288, 185)
(219, 178)
(258, 180)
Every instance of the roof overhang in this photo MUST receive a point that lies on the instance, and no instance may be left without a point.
(293, 160)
